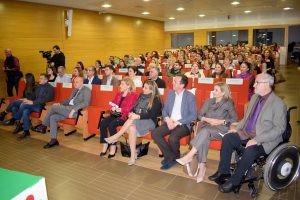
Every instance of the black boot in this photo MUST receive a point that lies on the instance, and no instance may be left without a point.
(2, 116)
(19, 127)
(24, 135)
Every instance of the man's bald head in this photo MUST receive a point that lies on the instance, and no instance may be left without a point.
(78, 82)
(7, 52)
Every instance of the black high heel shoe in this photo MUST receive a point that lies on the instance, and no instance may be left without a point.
(104, 153)
(113, 155)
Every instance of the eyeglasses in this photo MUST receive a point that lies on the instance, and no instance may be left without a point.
(257, 82)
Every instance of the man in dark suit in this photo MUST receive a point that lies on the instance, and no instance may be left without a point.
(79, 98)
(260, 130)
(58, 59)
(153, 75)
(109, 78)
(92, 77)
(43, 93)
(179, 111)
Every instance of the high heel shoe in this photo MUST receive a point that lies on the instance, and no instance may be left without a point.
(104, 153)
(113, 155)
(132, 162)
(201, 173)
(181, 162)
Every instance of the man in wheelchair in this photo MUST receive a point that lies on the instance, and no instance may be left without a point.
(260, 131)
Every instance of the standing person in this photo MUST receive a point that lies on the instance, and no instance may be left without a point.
(79, 98)
(179, 111)
(12, 69)
(58, 59)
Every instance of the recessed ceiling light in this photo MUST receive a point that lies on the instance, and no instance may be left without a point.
(146, 0)
(247, 11)
(106, 5)
(213, 36)
(201, 15)
(180, 9)
(145, 13)
(287, 8)
(233, 35)
(171, 18)
(235, 3)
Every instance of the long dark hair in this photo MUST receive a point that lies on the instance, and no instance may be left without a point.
(30, 82)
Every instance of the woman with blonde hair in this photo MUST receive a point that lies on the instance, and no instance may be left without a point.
(215, 117)
(123, 104)
(142, 118)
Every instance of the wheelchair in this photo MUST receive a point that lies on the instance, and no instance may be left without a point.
(278, 169)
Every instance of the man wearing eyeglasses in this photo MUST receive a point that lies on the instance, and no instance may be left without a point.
(257, 134)
(43, 93)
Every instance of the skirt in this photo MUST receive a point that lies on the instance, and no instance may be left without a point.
(143, 126)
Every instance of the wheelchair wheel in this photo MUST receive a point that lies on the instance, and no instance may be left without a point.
(281, 167)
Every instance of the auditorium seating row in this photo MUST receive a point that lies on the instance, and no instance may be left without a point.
(89, 117)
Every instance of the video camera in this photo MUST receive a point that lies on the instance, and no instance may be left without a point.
(46, 54)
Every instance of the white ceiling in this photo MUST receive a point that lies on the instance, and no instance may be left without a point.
(163, 9)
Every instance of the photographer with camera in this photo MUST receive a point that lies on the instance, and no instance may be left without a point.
(12, 69)
(58, 59)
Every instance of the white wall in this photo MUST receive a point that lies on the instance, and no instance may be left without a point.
(253, 19)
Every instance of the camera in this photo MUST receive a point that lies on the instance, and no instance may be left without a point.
(46, 54)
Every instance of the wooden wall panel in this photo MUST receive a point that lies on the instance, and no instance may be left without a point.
(27, 28)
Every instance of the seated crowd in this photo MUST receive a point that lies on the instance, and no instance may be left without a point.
(138, 114)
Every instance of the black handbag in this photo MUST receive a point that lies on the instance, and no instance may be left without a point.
(141, 149)
(116, 114)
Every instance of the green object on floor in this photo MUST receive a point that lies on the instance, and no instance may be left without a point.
(13, 183)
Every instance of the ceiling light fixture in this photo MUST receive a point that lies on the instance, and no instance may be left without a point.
(171, 18)
(235, 3)
(213, 36)
(287, 8)
(233, 35)
(145, 13)
(180, 9)
(247, 11)
(201, 15)
(106, 5)
(146, 0)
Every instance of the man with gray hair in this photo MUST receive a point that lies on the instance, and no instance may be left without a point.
(153, 75)
(62, 77)
(260, 130)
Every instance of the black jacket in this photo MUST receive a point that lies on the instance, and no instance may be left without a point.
(154, 112)
(58, 59)
(46, 96)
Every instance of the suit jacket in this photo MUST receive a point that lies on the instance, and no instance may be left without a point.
(82, 99)
(47, 95)
(95, 81)
(160, 83)
(271, 122)
(188, 107)
(225, 110)
(127, 103)
(114, 81)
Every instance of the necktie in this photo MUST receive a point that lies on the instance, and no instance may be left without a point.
(252, 121)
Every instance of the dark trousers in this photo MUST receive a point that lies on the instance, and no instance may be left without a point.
(232, 142)
(170, 149)
(14, 106)
(24, 112)
(111, 123)
(12, 81)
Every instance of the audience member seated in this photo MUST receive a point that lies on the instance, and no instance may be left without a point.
(43, 93)
(270, 63)
(51, 73)
(62, 77)
(79, 98)
(138, 63)
(122, 64)
(246, 74)
(109, 78)
(92, 77)
(175, 69)
(153, 75)
(28, 94)
(228, 64)
(240, 58)
(195, 73)
(141, 119)
(122, 104)
(260, 64)
(214, 60)
(98, 66)
(179, 111)
(215, 117)
(260, 130)
(77, 71)
(80, 65)
(219, 72)
(134, 74)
